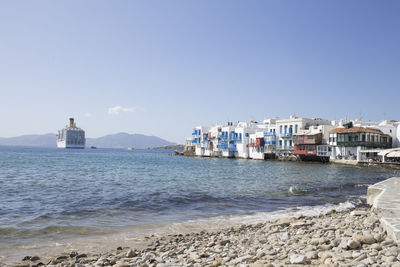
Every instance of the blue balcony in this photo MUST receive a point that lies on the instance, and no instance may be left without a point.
(196, 132)
(235, 136)
(224, 135)
(269, 134)
(232, 148)
(223, 145)
(196, 141)
(286, 135)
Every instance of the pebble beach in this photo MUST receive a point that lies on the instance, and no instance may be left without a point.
(351, 238)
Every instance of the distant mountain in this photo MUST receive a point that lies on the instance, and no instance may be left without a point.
(41, 140)
(125, 140)
(119, 140)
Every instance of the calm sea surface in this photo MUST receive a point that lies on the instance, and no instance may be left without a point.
(47, 194)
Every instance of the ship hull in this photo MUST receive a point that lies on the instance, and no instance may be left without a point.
(63, 144)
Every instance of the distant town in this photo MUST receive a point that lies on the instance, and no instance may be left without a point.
(303, 139)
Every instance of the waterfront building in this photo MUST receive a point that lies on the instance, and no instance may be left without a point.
(350, 142)
(200, 141)
(286, 128)
(309, 139)
(312, 144)
(262, 143)
(256, 145)
(71, 136)
(392, 128)
(213, 139)
(239, 138)
(226, 145)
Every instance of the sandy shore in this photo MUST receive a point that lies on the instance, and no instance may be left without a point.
(350, 238)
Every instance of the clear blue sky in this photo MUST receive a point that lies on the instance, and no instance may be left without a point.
(170, 65)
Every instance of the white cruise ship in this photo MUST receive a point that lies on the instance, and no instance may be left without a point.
(71, 136)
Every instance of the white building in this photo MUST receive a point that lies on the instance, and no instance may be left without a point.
(226, 145)
(241, 138)
(200, 141)
(286, 128)
(256, 145)
(351, 142)
(391, 128)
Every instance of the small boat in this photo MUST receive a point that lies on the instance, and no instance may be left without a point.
(93, 147)
(130, 148)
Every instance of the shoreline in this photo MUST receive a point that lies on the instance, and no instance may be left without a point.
(354, 163)
(136, 236)
(351, 237)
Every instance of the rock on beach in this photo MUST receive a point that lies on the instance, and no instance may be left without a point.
(333, 239)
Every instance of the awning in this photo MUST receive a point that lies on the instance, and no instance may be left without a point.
(393, 154)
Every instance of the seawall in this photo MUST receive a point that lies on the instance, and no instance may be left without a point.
(384, 197)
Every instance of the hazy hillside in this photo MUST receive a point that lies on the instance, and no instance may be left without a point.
(120, 140)
(124, 140)
(42, 140)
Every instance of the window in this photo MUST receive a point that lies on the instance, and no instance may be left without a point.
(285, 129)
(280, 142)
(285, 143)
(280, 129)
(290, 143)
(296, 128)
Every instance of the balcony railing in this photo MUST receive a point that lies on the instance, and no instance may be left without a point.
(270, 143)
(363, 143)
(286, 135)
(223, 145)
(196, 141)
(232, 148)
(196, 132)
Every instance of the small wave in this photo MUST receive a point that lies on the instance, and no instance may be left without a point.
(361, 185)
(8, 232)
(293, 190)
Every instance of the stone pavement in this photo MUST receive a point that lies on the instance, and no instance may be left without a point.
(384, 197)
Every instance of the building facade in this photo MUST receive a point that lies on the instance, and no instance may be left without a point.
(348, 142)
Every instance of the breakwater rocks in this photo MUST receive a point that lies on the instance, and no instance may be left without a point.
(333, 239)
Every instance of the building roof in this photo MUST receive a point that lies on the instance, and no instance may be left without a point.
(356, 129)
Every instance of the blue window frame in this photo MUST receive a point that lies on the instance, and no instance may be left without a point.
(296, 128)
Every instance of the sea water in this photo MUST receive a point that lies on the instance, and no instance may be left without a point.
(58, 197)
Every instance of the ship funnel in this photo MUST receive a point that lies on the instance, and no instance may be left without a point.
(71, 122)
